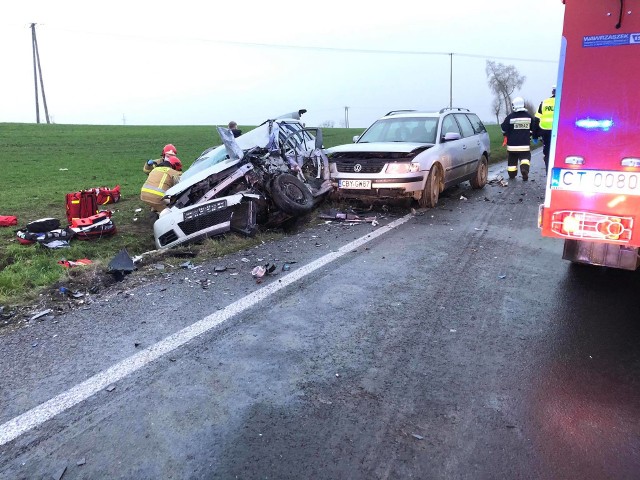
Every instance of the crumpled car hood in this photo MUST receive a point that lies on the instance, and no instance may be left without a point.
(200, 175)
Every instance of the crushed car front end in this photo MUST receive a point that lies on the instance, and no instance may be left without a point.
(177, 226)
(275, 170)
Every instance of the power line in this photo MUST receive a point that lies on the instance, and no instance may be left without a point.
(316, 48)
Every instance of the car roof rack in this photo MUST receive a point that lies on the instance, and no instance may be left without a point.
(395, 112)
(460, 109)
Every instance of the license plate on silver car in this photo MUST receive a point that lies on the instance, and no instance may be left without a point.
(355, 184)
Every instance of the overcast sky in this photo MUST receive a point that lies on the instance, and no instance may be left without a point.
(205, 63)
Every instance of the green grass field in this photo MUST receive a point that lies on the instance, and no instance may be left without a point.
(45, 162)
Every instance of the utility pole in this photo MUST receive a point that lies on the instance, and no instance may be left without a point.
(451, 80)
(346, 117)
(37, 72)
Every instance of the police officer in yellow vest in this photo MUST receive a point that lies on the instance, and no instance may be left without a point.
(545, 114)
(163, 176)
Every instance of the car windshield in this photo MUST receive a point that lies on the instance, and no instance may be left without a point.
(258, 137)
(402, 129)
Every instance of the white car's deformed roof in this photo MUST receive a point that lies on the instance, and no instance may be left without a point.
(216, 159)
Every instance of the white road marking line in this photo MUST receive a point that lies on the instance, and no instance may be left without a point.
(49, 409)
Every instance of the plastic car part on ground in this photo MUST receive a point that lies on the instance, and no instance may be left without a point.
(264, 177)
(258, 271)
(121, 264)
(347, 217)
(498, 180)
(261, 270)
(70, 293)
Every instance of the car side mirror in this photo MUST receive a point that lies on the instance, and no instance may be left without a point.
(451, 136)
(356, 138)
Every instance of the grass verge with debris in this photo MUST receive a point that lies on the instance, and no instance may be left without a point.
(45, 162)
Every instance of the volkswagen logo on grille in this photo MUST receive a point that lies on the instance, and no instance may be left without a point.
(357, 168)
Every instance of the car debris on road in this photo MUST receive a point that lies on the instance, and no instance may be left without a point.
(498, 180)
(347, 217)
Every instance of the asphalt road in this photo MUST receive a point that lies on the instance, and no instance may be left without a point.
(456, 345)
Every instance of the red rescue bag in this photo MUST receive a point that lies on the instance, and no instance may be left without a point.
(95, 226)
(8, 220)
(107, 195)
(81, 204)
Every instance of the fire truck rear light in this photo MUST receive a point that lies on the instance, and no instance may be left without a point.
(573, 160)
(540, 215)
(570, 224)
(592, 226)
(630, 162)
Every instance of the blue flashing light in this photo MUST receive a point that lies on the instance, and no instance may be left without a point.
(593, 124)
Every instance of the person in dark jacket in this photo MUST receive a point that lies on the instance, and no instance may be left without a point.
(518, 128)
(233, 126)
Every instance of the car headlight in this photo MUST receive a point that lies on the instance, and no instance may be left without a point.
(402, 167)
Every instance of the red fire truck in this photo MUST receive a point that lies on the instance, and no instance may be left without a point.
(592, 198)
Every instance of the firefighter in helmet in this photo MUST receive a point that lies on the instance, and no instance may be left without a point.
(162, 176)
(168, 149)
(545, 115)
(518, 128)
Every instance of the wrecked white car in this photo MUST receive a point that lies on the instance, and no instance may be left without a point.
(270, 174)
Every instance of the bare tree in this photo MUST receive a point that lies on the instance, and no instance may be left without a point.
(531, 108)
(327, 124)
(496, 108)
(503, 80)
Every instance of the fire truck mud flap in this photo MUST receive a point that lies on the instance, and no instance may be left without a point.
(603, 254)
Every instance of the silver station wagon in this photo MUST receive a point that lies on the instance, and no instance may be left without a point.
(412, 154)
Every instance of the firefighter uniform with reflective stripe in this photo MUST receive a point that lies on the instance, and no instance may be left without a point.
(518, 128)
(545, 115)
(160, 179)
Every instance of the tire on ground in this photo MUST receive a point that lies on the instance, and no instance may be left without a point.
(291, 195)
(431, 191)
(479, 180)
